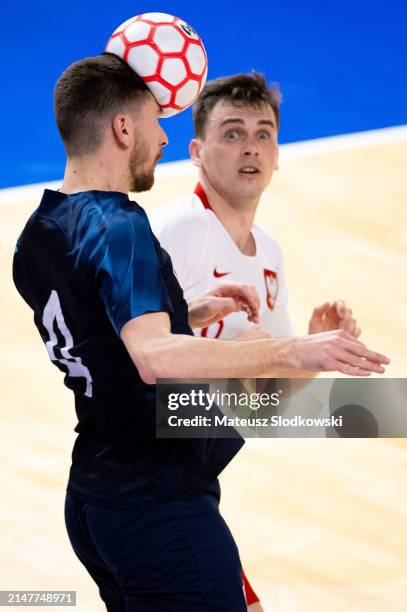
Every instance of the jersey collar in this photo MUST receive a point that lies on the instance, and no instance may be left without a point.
(199, 191)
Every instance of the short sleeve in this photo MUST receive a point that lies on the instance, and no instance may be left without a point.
(122, 258)
(183, 233)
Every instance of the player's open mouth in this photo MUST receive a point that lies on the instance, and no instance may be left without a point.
(249, 170)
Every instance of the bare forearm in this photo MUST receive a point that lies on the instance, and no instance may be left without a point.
(255, 333)
(157, 353)
(179, 356)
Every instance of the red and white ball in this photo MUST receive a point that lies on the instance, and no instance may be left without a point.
(167, 54)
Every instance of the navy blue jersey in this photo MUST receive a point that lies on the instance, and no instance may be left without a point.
(86, 264)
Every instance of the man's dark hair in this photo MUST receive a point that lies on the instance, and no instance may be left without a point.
(239, 89)
(88, 93)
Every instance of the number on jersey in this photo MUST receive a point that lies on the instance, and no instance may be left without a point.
(53, 314)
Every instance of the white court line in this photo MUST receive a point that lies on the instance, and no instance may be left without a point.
(307, 148)
(344, 142)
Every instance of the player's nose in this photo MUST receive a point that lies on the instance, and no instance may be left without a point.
(250, 148)
(250, 153)
(163, 138)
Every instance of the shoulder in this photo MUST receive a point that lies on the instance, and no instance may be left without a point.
(109, 225)
(113, 213)
(183, 229)
(186, 215)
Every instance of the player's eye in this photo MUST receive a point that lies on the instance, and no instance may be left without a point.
(264, 135)
(232, 135)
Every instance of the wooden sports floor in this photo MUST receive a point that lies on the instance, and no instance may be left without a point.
(321, 524)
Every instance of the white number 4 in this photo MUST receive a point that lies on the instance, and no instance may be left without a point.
(52, 312)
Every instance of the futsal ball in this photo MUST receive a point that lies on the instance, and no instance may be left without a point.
(167, 54)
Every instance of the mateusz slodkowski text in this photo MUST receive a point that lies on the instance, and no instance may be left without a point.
(236, 421)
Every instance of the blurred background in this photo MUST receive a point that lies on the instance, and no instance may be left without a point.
(341, 66)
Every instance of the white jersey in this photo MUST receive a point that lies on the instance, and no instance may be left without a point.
(204, 254)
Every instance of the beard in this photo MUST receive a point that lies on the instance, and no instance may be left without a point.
(141, 180)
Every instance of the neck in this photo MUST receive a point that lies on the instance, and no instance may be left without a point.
(237, 216)
(94, 173)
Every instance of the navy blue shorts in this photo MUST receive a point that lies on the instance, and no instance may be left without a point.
(173, 557)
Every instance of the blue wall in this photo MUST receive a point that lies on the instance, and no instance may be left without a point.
(341, 66)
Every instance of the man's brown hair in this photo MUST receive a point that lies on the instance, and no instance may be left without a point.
(90, 92)
(240, 90)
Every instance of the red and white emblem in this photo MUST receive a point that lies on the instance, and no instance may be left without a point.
(271, 281)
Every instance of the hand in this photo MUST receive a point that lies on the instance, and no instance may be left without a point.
(333, 316)
(336, 351)
(222, 300)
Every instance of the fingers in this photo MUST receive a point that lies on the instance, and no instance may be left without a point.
(226, 305)
(345, 368)
(250, 295)
(319, 311)
(348, 324)
(252, 316)
(317, 321)
(246, 296)
(346, 321)
(356, 359)
(339, 307)
(336, 351)
(359, 349)
(359, 364)
(220, 307)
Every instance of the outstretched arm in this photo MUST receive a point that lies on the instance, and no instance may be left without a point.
(157, 353)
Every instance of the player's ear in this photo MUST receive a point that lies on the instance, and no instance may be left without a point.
(276, 167)
(123, 132)
(195, 152)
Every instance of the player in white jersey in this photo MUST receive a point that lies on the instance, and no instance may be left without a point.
(211, 235)
(208, 255)
(236, 150)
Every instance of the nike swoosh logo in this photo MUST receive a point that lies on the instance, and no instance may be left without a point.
(219, 274)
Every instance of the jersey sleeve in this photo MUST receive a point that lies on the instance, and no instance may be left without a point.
(121, 258)
(183, 235)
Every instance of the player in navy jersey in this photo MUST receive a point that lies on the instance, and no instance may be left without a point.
(142, 513)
